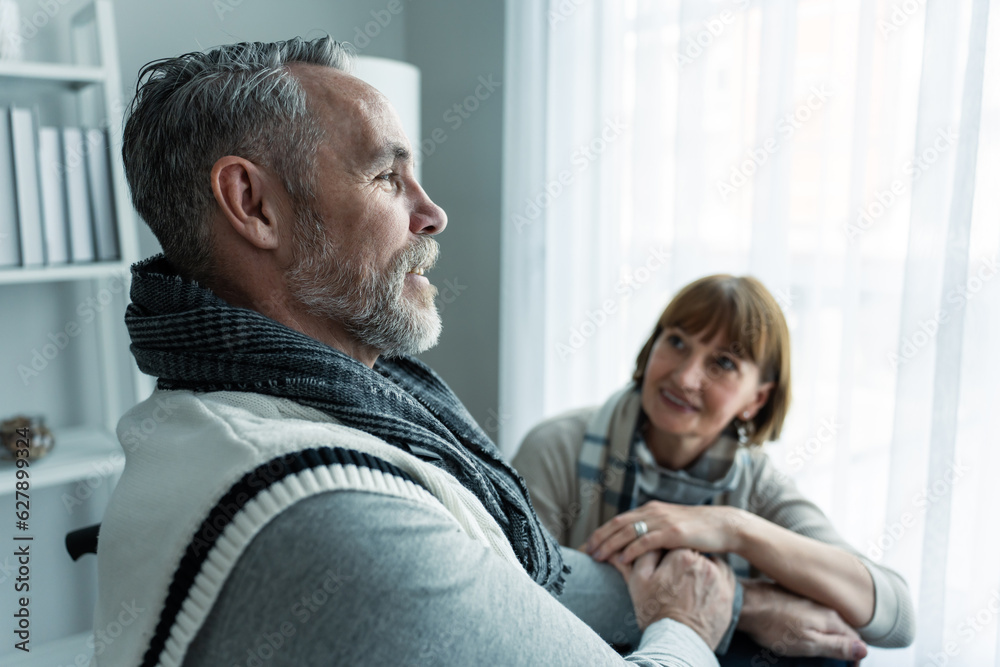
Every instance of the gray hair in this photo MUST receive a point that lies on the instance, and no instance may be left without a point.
(191, 110)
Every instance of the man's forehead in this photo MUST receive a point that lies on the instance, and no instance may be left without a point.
(329, 86)
(354, 106)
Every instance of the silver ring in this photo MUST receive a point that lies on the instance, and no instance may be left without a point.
(640, 528)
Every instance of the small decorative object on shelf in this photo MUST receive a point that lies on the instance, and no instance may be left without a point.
(11, 42)
(40, 438)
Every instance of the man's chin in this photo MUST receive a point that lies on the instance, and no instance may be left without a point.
(428, 330)
(421, 333)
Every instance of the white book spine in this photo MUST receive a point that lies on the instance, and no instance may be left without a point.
(101, 197)
(81, 230)
(10, 242)
(53, 195)
(29, 198)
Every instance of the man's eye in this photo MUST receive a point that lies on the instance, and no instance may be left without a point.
(387, 176)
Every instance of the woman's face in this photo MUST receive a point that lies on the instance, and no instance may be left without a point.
(692, 390)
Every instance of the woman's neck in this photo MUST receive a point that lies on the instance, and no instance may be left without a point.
(672, 451)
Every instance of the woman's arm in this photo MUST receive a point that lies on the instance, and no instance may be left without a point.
(773, 497)
(821, 572)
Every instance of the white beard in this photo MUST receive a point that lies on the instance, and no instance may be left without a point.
(367, 302)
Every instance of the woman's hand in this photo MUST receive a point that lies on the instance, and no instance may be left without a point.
(708, 529)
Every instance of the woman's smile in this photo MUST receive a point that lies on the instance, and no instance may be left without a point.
(674, 401)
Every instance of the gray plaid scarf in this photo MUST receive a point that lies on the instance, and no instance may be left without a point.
(191, 339)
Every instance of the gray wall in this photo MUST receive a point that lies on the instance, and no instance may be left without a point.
(455, 43)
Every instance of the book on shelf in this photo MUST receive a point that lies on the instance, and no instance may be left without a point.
(56, 193)
(29, 200)
(10, 242)
(50, 168)
(81, 229)
(101, 196)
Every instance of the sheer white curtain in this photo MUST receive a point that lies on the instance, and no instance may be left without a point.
(845, 152)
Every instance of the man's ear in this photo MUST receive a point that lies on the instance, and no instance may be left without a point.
(249, 200)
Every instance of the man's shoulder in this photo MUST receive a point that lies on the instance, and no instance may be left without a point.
(191, 405)
(170, 420)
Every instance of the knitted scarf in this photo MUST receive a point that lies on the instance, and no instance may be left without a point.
(617, 472)
(189, 338)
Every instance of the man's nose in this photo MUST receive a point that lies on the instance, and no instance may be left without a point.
(427, 217)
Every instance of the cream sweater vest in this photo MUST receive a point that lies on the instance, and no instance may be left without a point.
(185, 453)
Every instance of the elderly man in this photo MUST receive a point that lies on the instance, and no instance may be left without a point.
(298, 490)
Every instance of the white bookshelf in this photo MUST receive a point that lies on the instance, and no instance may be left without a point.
(21, 77)
(63, 273)
(98, 102)
(79, 453)
(88, 90)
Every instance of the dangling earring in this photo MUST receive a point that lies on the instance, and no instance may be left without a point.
(745, 429)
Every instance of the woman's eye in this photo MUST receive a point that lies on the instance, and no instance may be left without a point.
(726, 363)
(674, 341)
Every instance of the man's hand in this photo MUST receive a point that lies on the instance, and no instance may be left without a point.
(684, 586)
(788, 624)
